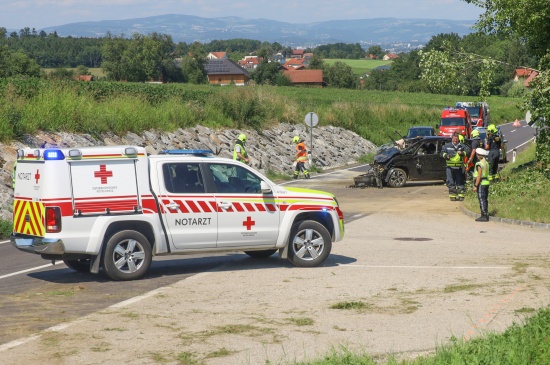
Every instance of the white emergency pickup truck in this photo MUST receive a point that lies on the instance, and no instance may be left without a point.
(116, 207)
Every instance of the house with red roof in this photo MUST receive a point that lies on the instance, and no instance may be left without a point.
(295, 63)
(297, 53)
(249, 62)
(216, 55)
(526, 75)
(390, 56)
(305, 77)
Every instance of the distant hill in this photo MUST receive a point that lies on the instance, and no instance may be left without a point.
(187, 28)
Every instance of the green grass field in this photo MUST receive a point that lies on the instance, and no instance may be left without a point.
(360, 67)
(97, 72)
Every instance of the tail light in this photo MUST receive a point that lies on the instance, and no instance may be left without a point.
(53, 219)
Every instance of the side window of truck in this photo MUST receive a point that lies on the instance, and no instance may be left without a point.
(183, 178)
(235, 179)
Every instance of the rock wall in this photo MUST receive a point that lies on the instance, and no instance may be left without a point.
(270, 150)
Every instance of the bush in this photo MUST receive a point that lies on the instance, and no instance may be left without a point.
(6, 227)
(516, 90)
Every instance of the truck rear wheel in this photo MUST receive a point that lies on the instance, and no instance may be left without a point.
(309, 244)
(127, 256)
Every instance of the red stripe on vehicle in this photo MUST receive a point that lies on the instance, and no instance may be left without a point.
(213, 206)
(238, 207)
(260, 207)
(205, 207)
(249, 207)
(193, 206)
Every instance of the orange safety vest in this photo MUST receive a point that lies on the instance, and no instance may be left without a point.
(301, 152)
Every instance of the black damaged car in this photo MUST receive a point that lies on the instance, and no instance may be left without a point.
(419, 160)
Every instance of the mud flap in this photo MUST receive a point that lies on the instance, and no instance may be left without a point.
(283, 252)
(94, 264)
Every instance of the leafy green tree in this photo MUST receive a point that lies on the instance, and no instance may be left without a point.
(17, 64)
(113, 52)
(376, 51)
(527, 20)
(141, 58)
(266, 73)
(340, 75)
(315, 63)
(193, 64)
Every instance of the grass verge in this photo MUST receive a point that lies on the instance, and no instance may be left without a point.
(522, 193)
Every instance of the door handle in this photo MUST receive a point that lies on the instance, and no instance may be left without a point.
(172, 206)
(224, 205)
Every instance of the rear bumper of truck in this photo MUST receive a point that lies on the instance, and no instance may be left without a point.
(38, 245)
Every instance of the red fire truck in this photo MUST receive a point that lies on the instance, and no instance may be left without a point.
(455, 120)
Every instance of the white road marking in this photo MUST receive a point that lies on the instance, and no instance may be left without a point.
(25, 271)
(4, 242)
(427, 267)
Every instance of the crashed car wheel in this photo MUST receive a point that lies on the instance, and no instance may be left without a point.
(309, 244)
(397, 178)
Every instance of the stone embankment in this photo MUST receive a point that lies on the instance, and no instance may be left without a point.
(271, 150)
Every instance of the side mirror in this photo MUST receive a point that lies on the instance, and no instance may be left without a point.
(264, 187)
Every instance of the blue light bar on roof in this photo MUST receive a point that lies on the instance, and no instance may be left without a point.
(52, 155)
(187, 152)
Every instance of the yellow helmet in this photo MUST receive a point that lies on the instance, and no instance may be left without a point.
(295, 139)
(492, 128)
(475, 133)
(242, 137)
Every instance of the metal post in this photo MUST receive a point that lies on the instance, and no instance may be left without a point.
(311, 145)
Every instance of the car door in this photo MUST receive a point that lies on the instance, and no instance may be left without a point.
(189, 213)
(429, 163)
(246, 217)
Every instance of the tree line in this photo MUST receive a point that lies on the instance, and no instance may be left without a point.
(156, 56)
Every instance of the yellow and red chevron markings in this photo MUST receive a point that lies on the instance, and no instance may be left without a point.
(28, 218)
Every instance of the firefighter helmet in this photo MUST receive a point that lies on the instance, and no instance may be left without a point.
(475, 133)
(492, 128)
(242, 137)
(295, 139)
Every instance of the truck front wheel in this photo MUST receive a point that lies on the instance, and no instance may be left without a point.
(309, 244)
(127, 256)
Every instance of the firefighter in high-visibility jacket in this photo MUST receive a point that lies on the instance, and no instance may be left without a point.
(493, 143)
(239, 152)
(454, 152)
(300, 158)
(481, 183)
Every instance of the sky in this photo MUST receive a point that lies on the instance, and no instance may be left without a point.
(18, 14)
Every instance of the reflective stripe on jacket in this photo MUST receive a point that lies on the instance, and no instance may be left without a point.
(301, 152)
(455, 160)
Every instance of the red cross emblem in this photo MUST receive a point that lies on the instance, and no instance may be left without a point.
(248, 223)
(103, 174)
(37, 176)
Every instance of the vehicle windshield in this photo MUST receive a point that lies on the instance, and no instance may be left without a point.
(414, 132)
(474, 111)
(452, 122)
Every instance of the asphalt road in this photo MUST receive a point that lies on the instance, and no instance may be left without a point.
(403, 243)
(424, 272)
